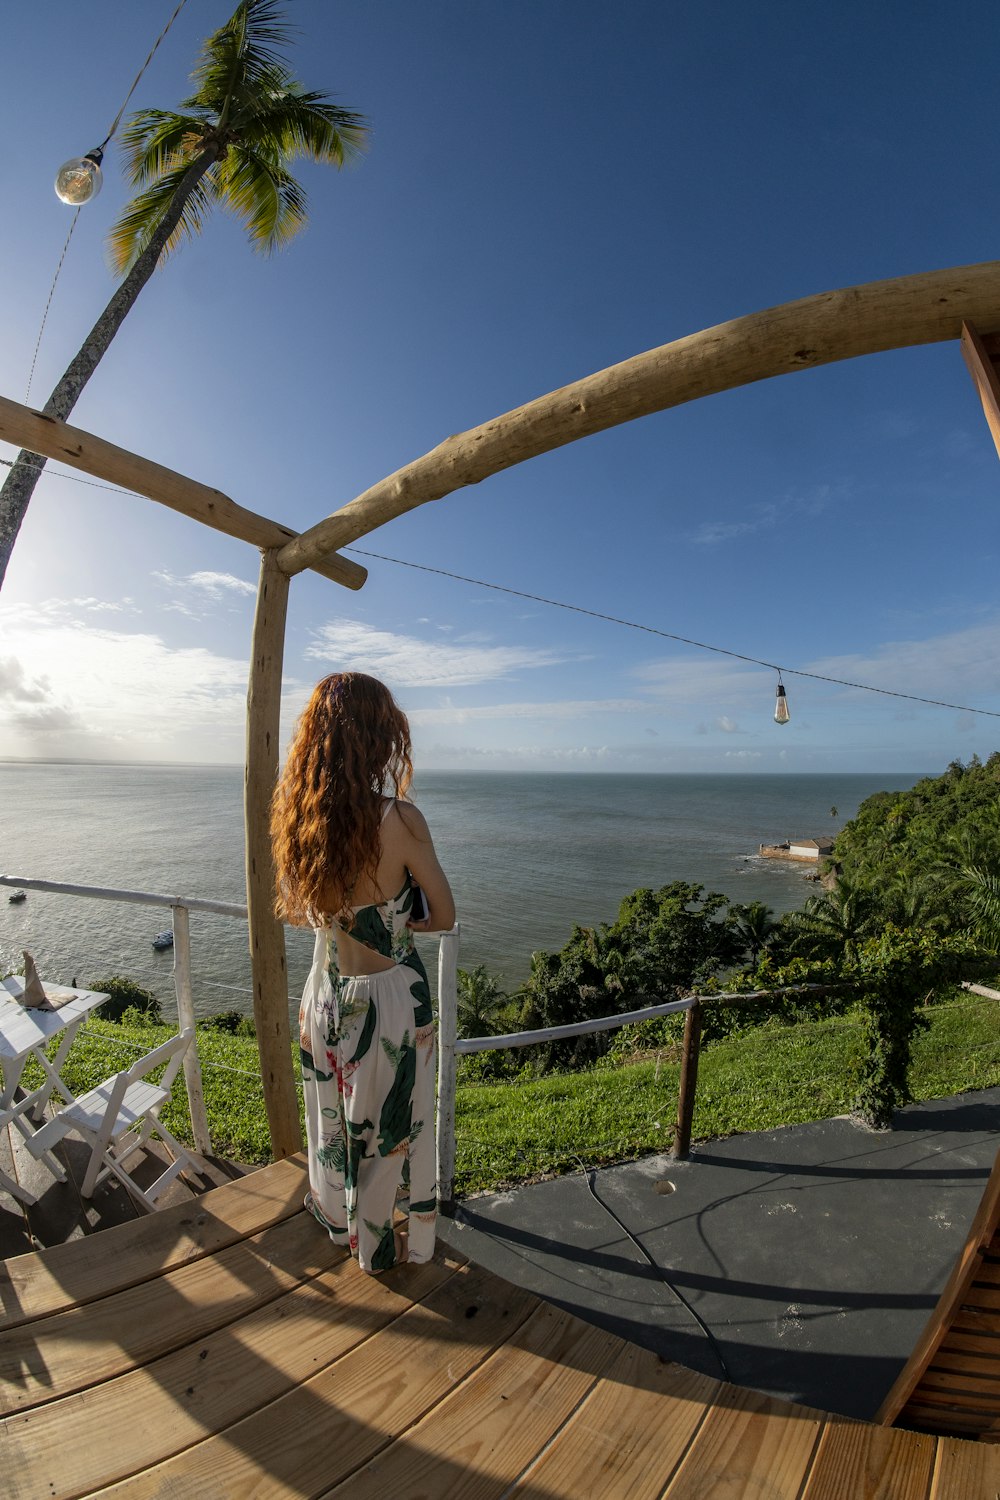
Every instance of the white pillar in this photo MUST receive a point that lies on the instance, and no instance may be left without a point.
(447, 1032)
(185, 1017)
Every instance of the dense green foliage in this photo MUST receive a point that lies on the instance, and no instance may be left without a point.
(125, 995)
(927, 857)
(912, 903)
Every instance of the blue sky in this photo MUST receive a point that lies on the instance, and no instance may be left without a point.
(550, 188)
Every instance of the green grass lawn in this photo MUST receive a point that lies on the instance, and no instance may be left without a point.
(512, 1132)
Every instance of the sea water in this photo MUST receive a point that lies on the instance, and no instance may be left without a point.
(527, 855)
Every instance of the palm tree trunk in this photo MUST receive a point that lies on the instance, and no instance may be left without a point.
(17, 490)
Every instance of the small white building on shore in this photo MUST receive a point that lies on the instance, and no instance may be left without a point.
(808, 849)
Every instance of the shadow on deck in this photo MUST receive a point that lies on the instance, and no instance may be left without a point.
(222, 1347)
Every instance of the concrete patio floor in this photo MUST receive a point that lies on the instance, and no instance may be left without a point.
(813, 1255)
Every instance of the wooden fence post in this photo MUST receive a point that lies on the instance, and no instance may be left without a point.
(689, 1082)
(267, 936)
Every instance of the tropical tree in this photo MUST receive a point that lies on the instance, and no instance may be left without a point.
(837, 921)
(481, 1001)
(229, 145)
(755, 926)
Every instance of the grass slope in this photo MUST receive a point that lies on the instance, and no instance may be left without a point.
(507, 1133)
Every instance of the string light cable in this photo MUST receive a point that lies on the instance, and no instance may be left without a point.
(595, 614)
(96, 153)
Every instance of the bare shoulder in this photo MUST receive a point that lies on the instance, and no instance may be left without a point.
(413, 821)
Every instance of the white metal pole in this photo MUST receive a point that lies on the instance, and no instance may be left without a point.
(447, 1032)
(185, 1017)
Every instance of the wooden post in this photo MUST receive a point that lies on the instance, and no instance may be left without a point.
(981, 352)
(185, 1018)
(447, 1032)
(267, 936)
(23, 427)
(689, 1082)
(797, 336)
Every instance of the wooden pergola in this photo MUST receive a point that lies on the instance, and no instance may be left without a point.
(958, 303)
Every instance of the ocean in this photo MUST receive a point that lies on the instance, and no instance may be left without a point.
(527, 855)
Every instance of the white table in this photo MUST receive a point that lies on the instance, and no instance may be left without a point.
(24, 1034)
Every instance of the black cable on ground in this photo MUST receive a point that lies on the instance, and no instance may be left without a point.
(658, 1270)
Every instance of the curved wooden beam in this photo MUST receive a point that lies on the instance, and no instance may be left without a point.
(817, 330)
(24, 427)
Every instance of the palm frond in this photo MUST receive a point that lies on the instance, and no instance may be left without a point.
(309, 126)
(246, 47)
(157, 140)
(266, 199)
(250, 108)
(143, 215)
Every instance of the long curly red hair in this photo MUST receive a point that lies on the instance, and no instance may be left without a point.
(351, 745)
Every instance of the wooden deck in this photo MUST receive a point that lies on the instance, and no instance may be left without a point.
(224, 1348)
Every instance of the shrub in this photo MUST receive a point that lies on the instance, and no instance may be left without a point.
(124, 994)
(233, 1021)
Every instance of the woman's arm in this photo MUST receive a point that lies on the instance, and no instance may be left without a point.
(421, 860)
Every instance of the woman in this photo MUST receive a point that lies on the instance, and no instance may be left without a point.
(349, 850)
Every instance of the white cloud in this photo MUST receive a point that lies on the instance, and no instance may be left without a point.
(408, 661)
(763, 517)
(16, 687)
(212, 585)
(567, 708)
(964, 664)
(961, 667)
(706, 679)
(80, 690)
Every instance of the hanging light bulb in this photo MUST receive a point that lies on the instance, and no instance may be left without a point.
(79, 179)
(781, 714)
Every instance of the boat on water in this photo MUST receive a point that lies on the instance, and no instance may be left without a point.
(17, 896)
(163, 940)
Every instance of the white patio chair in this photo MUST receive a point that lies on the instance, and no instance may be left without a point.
(119, 1117)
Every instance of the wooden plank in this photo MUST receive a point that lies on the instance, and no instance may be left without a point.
(475, 1443)
(981, 1297)
(960, 1387)
(101, 1435)
(879, 1463)
(950, 1307)
(986, 380)
(40, 1283)
(749, 1445)
(965, 1471)
(971, 1361)
(23, 427)
(798, 335)
(627, 1438)
(336, 1420)
(945, 1422)
(82, 1346)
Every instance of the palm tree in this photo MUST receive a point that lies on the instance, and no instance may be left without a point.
(230, 144)
(480, 1002)
(837, 921)
(755, 927)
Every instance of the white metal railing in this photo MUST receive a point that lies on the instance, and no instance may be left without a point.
(179, 907)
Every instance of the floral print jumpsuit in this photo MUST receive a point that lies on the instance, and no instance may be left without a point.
(367, 1051)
